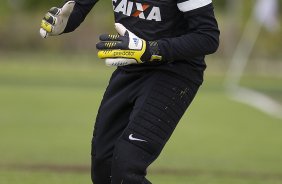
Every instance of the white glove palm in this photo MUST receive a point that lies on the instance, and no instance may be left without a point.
(55, 21)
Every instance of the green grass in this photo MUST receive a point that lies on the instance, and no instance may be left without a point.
(42, 177)
(48, 107)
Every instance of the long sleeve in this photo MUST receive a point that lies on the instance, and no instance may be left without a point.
(80, 11)
(202, 37)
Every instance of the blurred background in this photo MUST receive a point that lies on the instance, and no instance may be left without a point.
(50, 90)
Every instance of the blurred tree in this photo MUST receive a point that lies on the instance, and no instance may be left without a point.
(34, 4)
(232, 16)
(220, 3)
(232, 26)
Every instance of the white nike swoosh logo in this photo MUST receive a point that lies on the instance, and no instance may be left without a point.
(135, 139)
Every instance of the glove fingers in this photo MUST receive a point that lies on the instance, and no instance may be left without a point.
(128, 55)
(112, 42)
(50, 19)
(111, 45)
(108, 37)
(54, 11)
(43, 33)
(46, 26)
(103, 54)
(119, 62)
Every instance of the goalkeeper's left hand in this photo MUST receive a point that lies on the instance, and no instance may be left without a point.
(56, 19)
(126, 48)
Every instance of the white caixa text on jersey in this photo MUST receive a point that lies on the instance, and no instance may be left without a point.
(142, 11)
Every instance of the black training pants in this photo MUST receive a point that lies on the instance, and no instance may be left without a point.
(137, 116)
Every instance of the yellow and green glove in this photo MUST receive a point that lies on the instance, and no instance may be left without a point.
(126, 48)
(56, 19)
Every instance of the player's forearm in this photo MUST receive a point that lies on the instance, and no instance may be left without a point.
(80, 11)
(203, 39)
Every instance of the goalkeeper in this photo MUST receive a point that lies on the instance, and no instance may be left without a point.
(159, 51)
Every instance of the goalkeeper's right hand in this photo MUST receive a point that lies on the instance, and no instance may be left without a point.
(56, 19)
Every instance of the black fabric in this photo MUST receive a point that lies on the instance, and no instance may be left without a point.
(201, 39)
(145, 105)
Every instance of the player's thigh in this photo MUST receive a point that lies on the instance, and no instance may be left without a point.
(113, 116)
(158, 111)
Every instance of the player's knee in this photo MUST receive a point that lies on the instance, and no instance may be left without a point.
(97, 164)
(100, 170)
(129, 164)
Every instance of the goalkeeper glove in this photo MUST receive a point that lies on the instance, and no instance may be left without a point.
(126, 48)
(55, 21)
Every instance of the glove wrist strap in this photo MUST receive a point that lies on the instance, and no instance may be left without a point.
(154, 51)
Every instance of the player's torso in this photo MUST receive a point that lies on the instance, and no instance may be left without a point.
(150, 19)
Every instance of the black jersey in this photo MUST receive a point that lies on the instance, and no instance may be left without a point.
(186, 31)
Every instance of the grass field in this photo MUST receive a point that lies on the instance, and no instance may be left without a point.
(48, 105)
